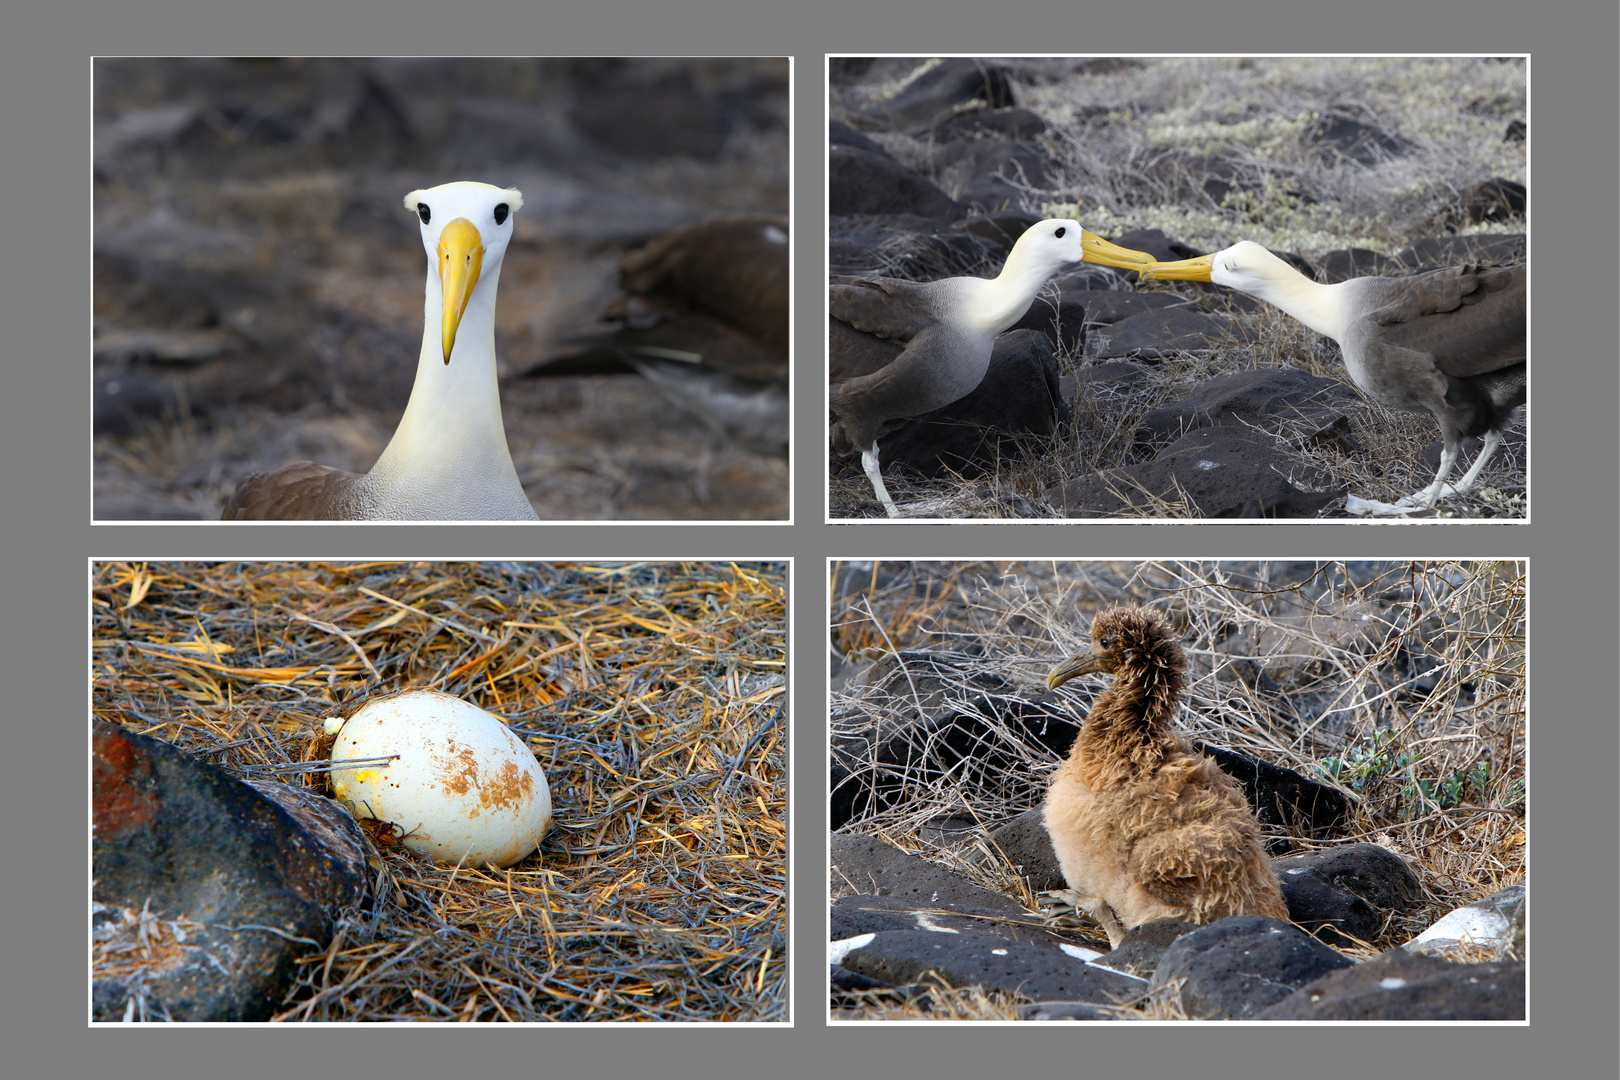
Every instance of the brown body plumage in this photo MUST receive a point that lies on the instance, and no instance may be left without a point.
(703, 316)
(1145, 827)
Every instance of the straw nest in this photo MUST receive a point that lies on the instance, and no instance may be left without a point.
(653, 695)
(1400, 683)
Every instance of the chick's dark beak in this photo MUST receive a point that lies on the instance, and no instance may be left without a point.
(1086, 663)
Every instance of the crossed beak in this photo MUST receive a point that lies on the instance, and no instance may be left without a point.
(1097, 250)
(461, 256)
(1186, 270)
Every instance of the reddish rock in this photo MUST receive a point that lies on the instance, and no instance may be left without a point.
(206, 892)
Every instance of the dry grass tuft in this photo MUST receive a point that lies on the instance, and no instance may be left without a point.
(1403, 684)
(652, 693)
(940, 1003)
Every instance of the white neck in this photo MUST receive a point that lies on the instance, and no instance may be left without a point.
(1002, 300)
(1323, 308)
(448, 457)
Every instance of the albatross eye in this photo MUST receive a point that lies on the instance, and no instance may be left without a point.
(500, 214)
(423, 212)
(1061, 229)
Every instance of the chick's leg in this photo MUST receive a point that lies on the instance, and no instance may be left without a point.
(1098, 909)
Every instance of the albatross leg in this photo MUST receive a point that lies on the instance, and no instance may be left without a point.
(869, 462)
(1438, 490)
(1493, 439)
(1448, 460)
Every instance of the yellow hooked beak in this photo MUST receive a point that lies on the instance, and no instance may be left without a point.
(1086, 663)
(1186, 270)
(1098, 250)
(461, 256)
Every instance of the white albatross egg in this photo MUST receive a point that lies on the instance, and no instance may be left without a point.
(462, 788)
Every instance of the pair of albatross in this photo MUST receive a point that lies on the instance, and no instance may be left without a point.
(1450, 342)
(949, 330)
(448, 458)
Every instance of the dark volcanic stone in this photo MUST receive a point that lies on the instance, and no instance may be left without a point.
(859, 182)
(1019, 125)
(1216, 177)
(1026, 845)
(847, 980)
(842, 70)
(1105, 306)
(1347, 263)
(250, 889)
(1107, 381)
(1222, 472)
(844, 135)
(1158, 244)
(1234, 968)
(1346, 136)
(1284, 401)
(1062, 320)
(1018, 395)
(940, 87)
(1283, 797)
(1001, 228)
(1437, 251)
(123, 401)
(1142, 947)
(935, 734)
(1332, 914)
(491, 130)
(672, 113)
(1401, 986)
(868, 866)
(1496, 199)
(1063, 1010)
(992, 175)
(903, 246)
(1376, 874)
(1164, 332)
(1041, 974)
(855, 915)
(145, 508)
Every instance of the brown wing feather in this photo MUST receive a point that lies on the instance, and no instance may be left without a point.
(1470, 319)
(302, 490)
(888, 307)
(851, 353)
(725, 267)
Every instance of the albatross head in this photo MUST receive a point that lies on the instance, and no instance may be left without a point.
(1245, 266)
(1250, 268)
(1048, 246)
(1136, 641)
(465, 229)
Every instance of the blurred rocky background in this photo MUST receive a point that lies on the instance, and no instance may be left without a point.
(258, 281)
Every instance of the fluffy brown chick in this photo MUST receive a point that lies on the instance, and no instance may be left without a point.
(1144, 827)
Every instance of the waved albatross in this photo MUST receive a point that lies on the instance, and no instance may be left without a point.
(703, 317)
(448, 458)
(950, 327)
(1450, 342)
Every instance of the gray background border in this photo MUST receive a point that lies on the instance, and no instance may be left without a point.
(1573, 542)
